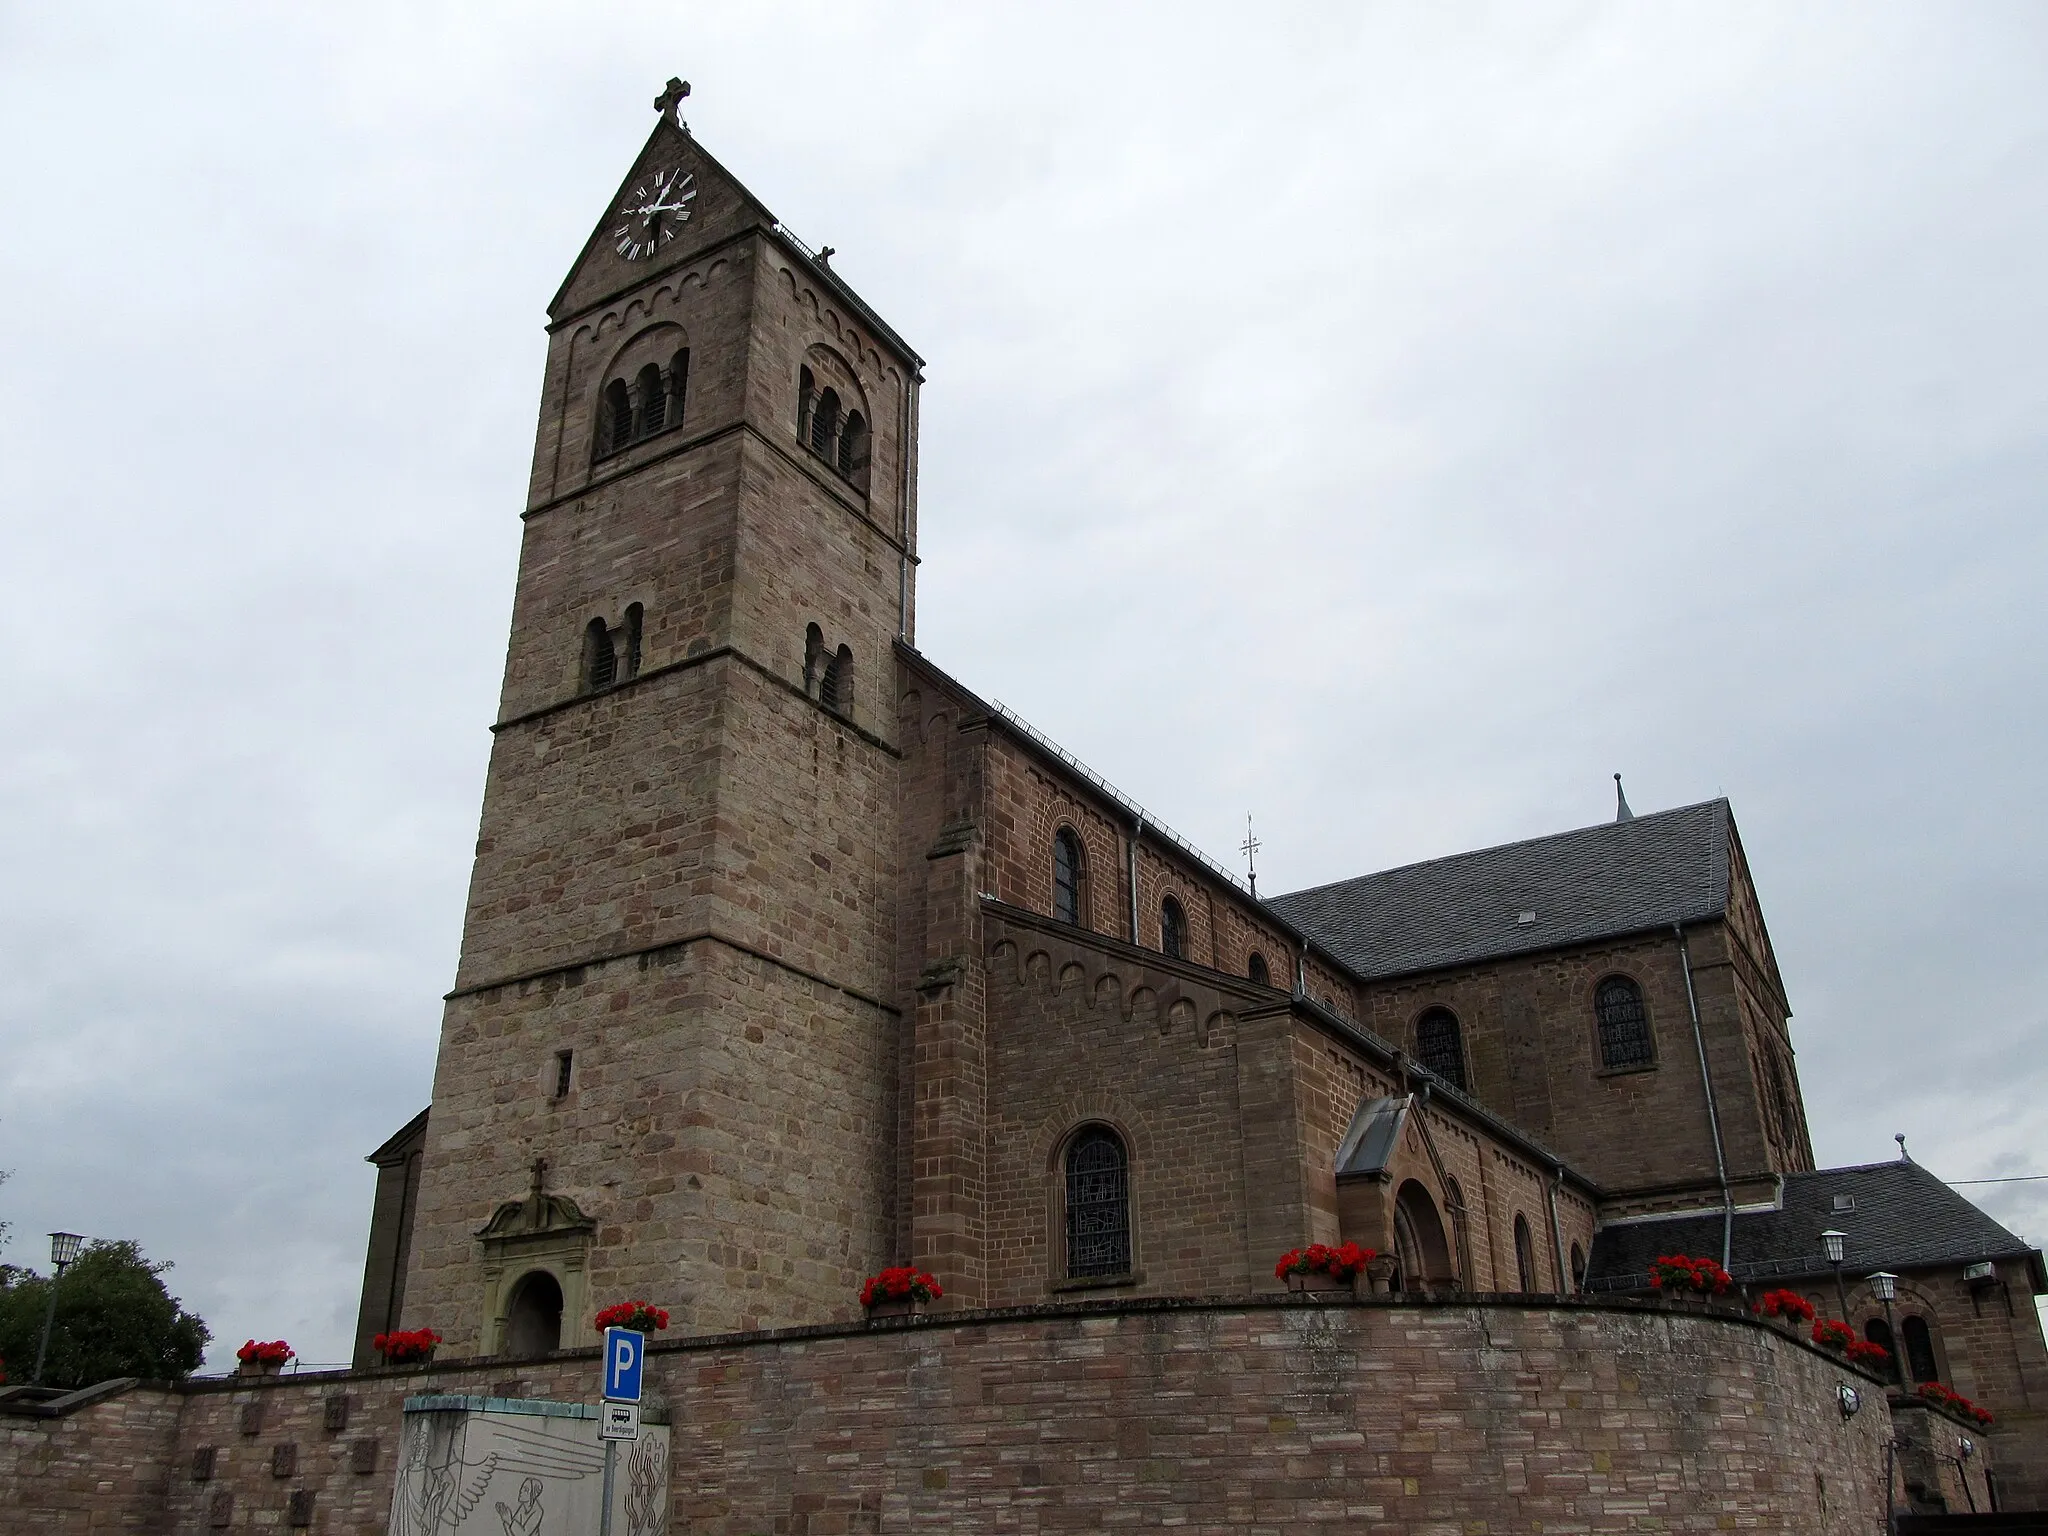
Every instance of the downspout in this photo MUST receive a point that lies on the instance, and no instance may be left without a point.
(1564, 1281)
(903, 514)
(1301, 971)
(1131, 869)
(1699, 1041)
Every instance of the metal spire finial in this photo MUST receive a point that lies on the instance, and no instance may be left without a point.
(1904, 1155)
(670, 102)
(1621, 810)
(1249, 848)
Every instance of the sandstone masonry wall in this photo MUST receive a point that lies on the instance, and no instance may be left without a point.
(1376, 1417)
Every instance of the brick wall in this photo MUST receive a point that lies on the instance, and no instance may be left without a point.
(1396, 1416)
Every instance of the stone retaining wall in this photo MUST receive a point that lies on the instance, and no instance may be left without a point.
(1389, 1415)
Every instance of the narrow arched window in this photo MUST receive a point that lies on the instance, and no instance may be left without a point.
(1525, 1256)
(600, 661)
(1257, 970)
(1098, 1205)
(1879, 1332)
(1173, 930)
(1578, 1268)
(1440, 1045)
(636, 617)
(651, 401)
(835, 688)
(814, 658)
(1920, 1350)
(678, 386)
(824, 422)
(615, 420)
(853, 445)
(806, 397)
(1066, 876)
(1624, 1024)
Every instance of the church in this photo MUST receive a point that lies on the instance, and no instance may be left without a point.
(788, 958)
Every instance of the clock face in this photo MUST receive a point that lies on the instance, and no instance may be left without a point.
(653, 212)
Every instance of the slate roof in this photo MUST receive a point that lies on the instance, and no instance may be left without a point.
(1615, 878)
(1905, 1218)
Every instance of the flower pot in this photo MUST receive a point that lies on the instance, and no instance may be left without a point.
(423, 1359)
(259, 1368)
(899, 1306)
(1316, 1280)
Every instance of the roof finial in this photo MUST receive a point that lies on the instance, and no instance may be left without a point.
(1249, 848)
(670, 102)
(1904, 1155)
(1621, 810)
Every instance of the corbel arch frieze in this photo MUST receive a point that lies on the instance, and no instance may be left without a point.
(1176, 1007)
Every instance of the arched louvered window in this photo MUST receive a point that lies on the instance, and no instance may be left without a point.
(1440, 1045)
(1098, 1204)
(1173, 930)
(636, 618)
(615, 422)
(678, 386)
(650, 400)
(814, 658)
(853, 445)
(1525, 1256)
(1257, 969)
(1920, 1350)
(806, 397)
(600, 661)
(835, 688)
(1624, 1024)
(1066, 876)
(824, 421)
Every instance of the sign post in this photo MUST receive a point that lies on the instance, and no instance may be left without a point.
(625, 1352)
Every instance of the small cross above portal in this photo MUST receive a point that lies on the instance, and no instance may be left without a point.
(670, 102)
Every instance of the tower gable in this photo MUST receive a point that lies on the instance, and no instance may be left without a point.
(721, 209)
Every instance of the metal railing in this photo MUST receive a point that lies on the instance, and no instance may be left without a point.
(1130, 807)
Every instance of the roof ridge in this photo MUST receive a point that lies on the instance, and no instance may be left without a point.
(1524, 842)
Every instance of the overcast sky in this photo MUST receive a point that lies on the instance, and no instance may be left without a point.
(1388, 421)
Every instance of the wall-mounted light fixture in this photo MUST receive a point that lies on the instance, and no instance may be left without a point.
(1849, 1399)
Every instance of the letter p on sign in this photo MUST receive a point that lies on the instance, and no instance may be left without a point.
(624, 1351)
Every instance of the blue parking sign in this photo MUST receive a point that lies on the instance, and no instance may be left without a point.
(624, 1351)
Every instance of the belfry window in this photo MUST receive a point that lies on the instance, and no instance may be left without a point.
(1173, 930)
(1440, 1045)
(1920, 1349)
(1624, 1024)
(824, 422)
(1066, 876)
(600, 660)
(652, 403)
(636, 618)
(835, 686)
(1098, 1205)
(833, 428)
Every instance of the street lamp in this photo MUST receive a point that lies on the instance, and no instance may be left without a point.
(1832, 1241)
(1884, 1285)
(64, 1248)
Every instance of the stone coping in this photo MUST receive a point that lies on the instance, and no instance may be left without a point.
(1094, 1306)
(535, 1407)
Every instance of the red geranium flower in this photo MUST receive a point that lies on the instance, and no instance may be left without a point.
(1343, 1262)
(1829, 1334)
(903, 1282)
(1874, 1355)
(276, 1352)
(641, 1316)
(1783, 1303)
(1678, 1272)
(403, 1347)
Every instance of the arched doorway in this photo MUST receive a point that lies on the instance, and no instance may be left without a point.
(1420, 1246)
(533, 1319)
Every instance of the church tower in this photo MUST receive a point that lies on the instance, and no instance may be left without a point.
(668, 1064)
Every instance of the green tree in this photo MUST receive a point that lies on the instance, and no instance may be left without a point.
(114, 1318)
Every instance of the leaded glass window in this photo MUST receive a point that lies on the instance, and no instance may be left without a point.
(1260, 975)
(1624, 1024)
(1098, 1205)
(1440, 1044)
(1173, 930)
(1066, 876)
